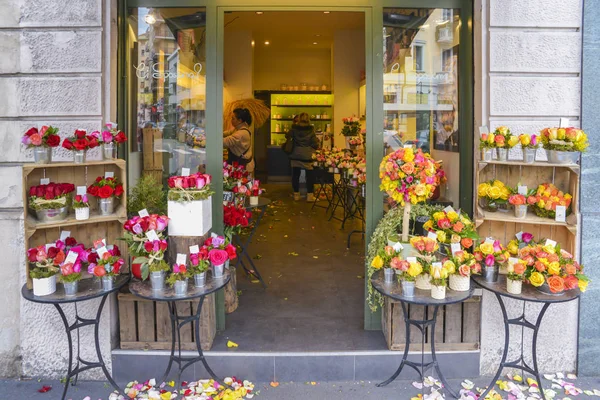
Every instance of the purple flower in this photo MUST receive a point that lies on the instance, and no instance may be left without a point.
(77, 266)
(430, 180)
(91, 268)
(25, 140)
(137, 229)
(60, 245)
(533, 140)
(527, 237)
(218, 241)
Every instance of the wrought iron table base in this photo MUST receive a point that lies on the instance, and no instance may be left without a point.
(244, 250)
(184, 362)
(86, 365)
(338, 199)
(520, 362)
(323, 185)
(421, 367)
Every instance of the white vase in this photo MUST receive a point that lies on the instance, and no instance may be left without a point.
(423, 282)
(44, 286)
(438, 292)
(514, 287)
(253, 200)
(83, 213)
(460, 283)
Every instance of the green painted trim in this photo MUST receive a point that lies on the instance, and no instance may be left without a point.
(466, 117)
(122, 55)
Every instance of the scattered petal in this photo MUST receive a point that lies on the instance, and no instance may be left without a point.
(467, 384)
(293, 253)
(231, 344)
(418, 385)
(588, 392)
(257, 257)
(571, 376)
(313, 383)
(45, 389)
(549, 376)
(560, 375)
(597, 392)
(274, 384)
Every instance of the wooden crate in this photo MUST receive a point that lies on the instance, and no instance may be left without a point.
(153, 158)
(146, 325)
(96, 227)
(156, 173)
(457, 326)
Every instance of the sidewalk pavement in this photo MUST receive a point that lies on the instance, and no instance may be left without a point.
(397, 390)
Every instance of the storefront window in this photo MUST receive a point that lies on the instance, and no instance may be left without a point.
(421, 102)
(167, 49)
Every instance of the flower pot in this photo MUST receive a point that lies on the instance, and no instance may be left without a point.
(529, 155)
(181, 288)
(490, 274)
(253, 200)
(460, 283)
(42, 155)
(562, 157)
(521, 211)
(52, 214)
(200, 279)
(107, 283)
(501, 154)
(488, 205)
(106, 206)
(79, 156)
(486, 155)
(109, 150)
(438, 292)
(218, 270)
(71, 288)
(44, 286)
(408, 288)
(388, 274)
(330, 169)
(136, 270)
(514, 287)
(423, 282)
(545, 289)
(83, 213)
(157, 280)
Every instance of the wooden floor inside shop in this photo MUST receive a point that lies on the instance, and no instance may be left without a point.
(314, 299)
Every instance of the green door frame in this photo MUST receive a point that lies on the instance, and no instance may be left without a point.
(373, 11)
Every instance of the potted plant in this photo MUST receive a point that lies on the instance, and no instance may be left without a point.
(198, 266)
(460, 267)
(189, 205)
(50, 202)
(520, 203)
(220, 252)
(492, 254)
(70, 272)
(354, 142)
(151, 262)
(79, 144)
(529, 144)
(106, 189)
(452, 227)
(107, 265)
(504, 140)
(563, 145)
(426, 247)
(109, 139)
(383, 260)
(255, 191)
(47, 260)
(409, 271)
(147, 194)
(137, 229)
(41, 141)
(493, 195)
(546, 198)
(351, 128)
(439, 280)
(179, 279)
(235, 218)
(234, 175)
(82, 207)
(486, 146)
(514, 276)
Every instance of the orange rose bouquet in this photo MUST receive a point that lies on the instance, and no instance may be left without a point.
(452, 227)
(546, 198)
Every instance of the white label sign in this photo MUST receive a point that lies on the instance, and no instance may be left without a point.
(483, 129)
(550, 242)
(432, 235)
(397, 247)
(522, 190)
(71, 257)
(455, 247)
(519, 236)
(152, 235)
(448, 209)
(181, 259)
(564, 123)
(143, 213)
(101, 252)
(411, 259)
(561, 214)
(108, 174)
(185, 172)
(44, 181)
(64, 235)
(437, 264)
(81, 190)
(194, 249)
(489, 240)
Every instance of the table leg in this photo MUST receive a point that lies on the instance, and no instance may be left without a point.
(70, 340)
(434, 357)
(98, 352)
(244, 250)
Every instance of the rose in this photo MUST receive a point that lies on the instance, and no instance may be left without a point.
(67, 144)
(31, 131)
(444, 223)
(527, 237)
(81, 144)
(99, 271)
(52, 140)
(396, 263)
(70, 241)
(231, 251)
(466, 242)
(377, 262)
(107, 137)
(449, 266)
(389, 251)
(464, 270)
(486, 248)
(80, 133)
(105, 192)
(554, 268)
(430, 245)
(556, 284)
(120, 138)
(217, 256)
(536, 279)
(490, 260)
(570, 282)
(414, 269)
(519, 268)
(36, 139)
(118, 190)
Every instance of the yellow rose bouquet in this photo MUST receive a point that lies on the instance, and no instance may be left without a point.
(491, 254)
(452, 227)
(493, 194)
(564, 139)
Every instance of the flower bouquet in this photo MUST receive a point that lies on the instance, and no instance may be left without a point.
(515, 276)
(136, 229)
(351, 126)
(493, 195)
(355, 141)
(523, 239)
(452, 227)
(106, 189)
(255, 191)
(47, 261)
(42, 142)
(107, 265)
(80, 143)
(220, 252)
(235, 218)
(82, 207)
(546, 198)
(179, 279)
(493, 255)
(408, 178)
(408, 272)
(70, 269)
(199, 264)
(519, 201)
(486, 146)
(439, 280)
(109, 139)
(529, 144)
(234, 175)
(503, 141)
(426, 247)
(189, 205)
(149, 253)
(563, 145)
(51, 202)
(460, 267)
(318, 158)
(152, 263)
(385, 258)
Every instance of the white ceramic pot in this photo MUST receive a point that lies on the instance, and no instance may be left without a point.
(44, 286)
(253, 200)
(514, 287)
(438, 292)
(83, 213)
(423, 282)
(460, 283)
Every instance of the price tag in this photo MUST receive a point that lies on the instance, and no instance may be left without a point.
(408, 146)
(397, 247)
(71, 257)
(519, 236)
(185, 172)
(64, 235)
(483, 129)
(181, 259)
(48, 245)
(143, 213)
(411, 259)
(432, 235)
(213, 235)
(564, 123)
(521, 189)
(108, 174)
(550, 242)
(101, 251)
(489, 240)
(561, 214)
(512, 260)
(81, 190)
(151, 235)
(44, 181)
(448, 209)
(194, 249)
(437, 264)
(455, 247)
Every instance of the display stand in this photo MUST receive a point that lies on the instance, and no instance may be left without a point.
(144, 290)
(528, 295)
(88, 289)
(393, 290)
(358, 201)
(324, 179)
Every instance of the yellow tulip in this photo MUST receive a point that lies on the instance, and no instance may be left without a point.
(491, 138)
(450, 266)
(536, 279)
(377, 262)
(428, 225)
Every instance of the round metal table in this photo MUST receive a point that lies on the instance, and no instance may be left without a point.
(423, 298)
(144, 290)
(529, 294)
(88, 289)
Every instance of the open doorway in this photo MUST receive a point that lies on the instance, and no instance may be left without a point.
(309, 252)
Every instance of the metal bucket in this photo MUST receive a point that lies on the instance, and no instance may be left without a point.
(157, 280)
(106, 206)
(408, 289)
(71, 288)
(42, 155)
(490, 274)
(52, 214)
(79, 156)
(563, 157)
(218, 270)
(486, 155)
(200, 279)
(521, 211)
(107, 283)
(529, 156)
(502, 154)
(181, 288)
(388, 275)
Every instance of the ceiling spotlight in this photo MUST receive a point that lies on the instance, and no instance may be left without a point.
(315, 43)
(252, 43)
(267, 43)
(318, 35)
(326, 12)
(150, 19)
(259, 13)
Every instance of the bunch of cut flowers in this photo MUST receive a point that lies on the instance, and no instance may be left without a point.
(189, 188)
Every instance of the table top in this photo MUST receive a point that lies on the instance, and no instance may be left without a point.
(88, 289)
(144, 290)
(421, 297)
(262, 202)
(528, 293)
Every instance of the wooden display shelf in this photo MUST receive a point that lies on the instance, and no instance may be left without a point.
(301, 105)
(32, 224)
(311, 120)
(515, 163)
(116, 161)
(531, 219)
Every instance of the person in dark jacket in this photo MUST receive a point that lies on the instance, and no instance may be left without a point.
(305, 144)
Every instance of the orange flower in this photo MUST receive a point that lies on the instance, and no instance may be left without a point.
(408, 168)
(458, 227)
(570, 269)
(60, 257)
(556, 284)
(519, 268)
(540, 266)
(466, 242)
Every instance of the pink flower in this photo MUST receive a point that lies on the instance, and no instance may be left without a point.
(95, 134)
(527, 237)
(107, 136)
(218, 257)
(490, 260)
(36, 139)
(497, 246)
(25, 140)
(161, 223)
(200, 182)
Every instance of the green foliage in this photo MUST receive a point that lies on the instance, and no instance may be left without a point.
(177, 277)
(159, 266)
(190, 194)
(148, 193)
(41, 273)
(70, 278)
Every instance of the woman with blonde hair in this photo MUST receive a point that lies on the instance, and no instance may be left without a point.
(305, 143)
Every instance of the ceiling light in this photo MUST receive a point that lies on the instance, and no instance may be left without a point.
(267, 43)
(326, 12)
(259, 13)
(252, 43)
(150, 19)
(317, 35)
(315, 43)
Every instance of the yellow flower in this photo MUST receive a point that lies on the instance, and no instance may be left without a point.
(525, 139)
(465, 221)
(441, 236)
(502, 130)
(491, 138)
(414, 269)
(409, 155)
(453, 216)
(549, 249)
(554, 268)
(568, 196)
(428, 225)
(486, 248)
(165, 396)
(505, 193)
(552, 133)
(450, 266)
(513, 247)
(420, 190)
(498, 184)
(582, 285)
(482, 189)
(561, 133)
(377, 262)
(536, 279)
(455, 238)
(494, 192)
(438, 215)
(512, 142)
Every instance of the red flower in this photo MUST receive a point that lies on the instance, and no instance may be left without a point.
(67, 144)
(80, 133)
(148, 246)
(105, 192)
(98, 179)
(92, 258)
(231, 251)
(120, 138)
(78, 198)
(32, 255)
(119, 190)
(52, 252)
(81, 144)
(53, 140)
(70, 241)
(93, 142)
(31, 131)
(93, 190)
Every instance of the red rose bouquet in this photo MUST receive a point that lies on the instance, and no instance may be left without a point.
(199, 261)
(189, 188)
(235, 218)
(219, 243)
(105, 188)
(50, 196)
(47, 261)
(80, 141)
(45, 137)
(112, 134)
(234, 174)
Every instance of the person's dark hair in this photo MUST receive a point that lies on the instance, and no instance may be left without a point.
(243, 115)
